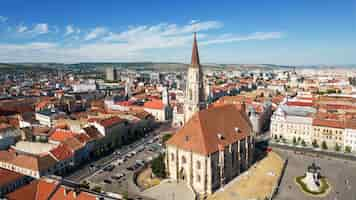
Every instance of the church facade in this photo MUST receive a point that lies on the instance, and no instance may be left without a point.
(214, 145)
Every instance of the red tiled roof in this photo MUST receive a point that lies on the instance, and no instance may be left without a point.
(7, 155)
(108, 122)
(83, 138)
(29, 162)
(28, 192)
(7, 177)
(125, 103)
(154, 104)
(61, 135)
(73, 143)
(351, 124)
(333, 123)
(93, 132)
(200, 133)
(42, 190)
(62, 152)
(42, 104)
(300, 103)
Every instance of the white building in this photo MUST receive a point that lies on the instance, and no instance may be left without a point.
(47, 117)
(84, 87)
(350, 135)
(293, 122)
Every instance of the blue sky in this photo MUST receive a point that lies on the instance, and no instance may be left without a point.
(280, 32)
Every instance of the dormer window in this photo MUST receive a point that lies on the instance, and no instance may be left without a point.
(237, 129)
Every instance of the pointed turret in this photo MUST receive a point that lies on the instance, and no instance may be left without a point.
(195, 54)
(194, 93)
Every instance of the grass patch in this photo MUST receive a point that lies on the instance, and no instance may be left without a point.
(323, 188)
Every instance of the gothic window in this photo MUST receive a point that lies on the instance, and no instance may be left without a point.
(190, 94)
(172, 157)
(198, 178)
(183, 160)
(198, 165)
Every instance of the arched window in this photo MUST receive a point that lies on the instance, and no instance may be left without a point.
(183, 160)
(172, 156)
(198, 165)
(198, 178)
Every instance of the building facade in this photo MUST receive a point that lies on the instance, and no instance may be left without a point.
(212, 148)
(291, 122)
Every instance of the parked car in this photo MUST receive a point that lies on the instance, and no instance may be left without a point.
(118, 176)
(119, 161)
(107, 181)
(140, 162)
(109, 168)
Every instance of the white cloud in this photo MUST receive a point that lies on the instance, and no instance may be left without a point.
(37, 29)
(162, 30)
(228, 38)
(40, 29)
(134, 44)
(70, 29)
(95, 33)
(193, 21)
(21, 28)
(3, 19)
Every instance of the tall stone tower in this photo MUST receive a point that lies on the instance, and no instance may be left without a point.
(165, 96)
(128, 85)
(194, 93)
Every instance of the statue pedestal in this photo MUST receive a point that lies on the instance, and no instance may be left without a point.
(312, 181)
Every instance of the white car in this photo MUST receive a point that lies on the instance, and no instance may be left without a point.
(119, 161)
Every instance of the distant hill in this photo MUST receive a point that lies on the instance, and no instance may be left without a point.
(156, 66)
(23, 67)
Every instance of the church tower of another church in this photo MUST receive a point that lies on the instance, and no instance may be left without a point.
(194, 94)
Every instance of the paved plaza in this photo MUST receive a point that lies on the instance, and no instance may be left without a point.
(170, 191)
(341, 175)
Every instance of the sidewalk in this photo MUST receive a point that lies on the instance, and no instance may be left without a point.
(342, 155)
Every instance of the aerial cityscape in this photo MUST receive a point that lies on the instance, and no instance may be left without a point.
(178, 100)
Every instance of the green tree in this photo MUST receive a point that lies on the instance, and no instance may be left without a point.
(85, 184)
(97, 189)
(348, 149)
(337, 147)
(294, 141)
(158, 166)
(165, 138)
(324, 145)
(315, 144)
(303, 143)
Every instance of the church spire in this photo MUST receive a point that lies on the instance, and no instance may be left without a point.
(195, 54)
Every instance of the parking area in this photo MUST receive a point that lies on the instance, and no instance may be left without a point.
(339, 173)
(117, 177)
